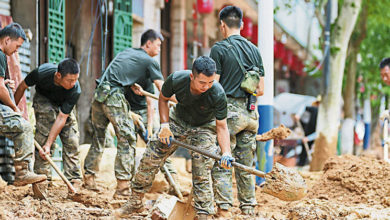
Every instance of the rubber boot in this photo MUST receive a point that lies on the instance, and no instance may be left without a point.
(77, 184)
(89, 182)
(224, 213)
(133, 205)
(202, 217)
(23, 176)
(247, 210)
(122, 188)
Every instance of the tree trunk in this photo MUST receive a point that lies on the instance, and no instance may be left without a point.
(328, 120)
(349, 103)
(347, 129)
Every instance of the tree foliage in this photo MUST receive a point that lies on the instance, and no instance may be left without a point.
(372, 50)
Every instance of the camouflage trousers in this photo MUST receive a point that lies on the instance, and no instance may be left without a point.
(19, 130)
(45, 116)
(203, 137)
(168, 162)
(114, 109)
(243, 125)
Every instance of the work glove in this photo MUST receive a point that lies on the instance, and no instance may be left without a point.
(165, 134)
(226, 160)
(137, 119)
(143, 132)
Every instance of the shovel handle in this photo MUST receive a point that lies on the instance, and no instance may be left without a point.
(153, 96)
(305, 143)
(217, 157)
(173, 183)
(70, 186)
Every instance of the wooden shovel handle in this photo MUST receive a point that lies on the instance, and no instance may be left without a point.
(70, 186)
(153, 96)
(217, 157)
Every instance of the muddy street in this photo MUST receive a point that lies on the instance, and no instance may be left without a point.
(349, 187)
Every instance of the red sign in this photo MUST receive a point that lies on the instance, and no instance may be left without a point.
(205, 6)
(247, 30)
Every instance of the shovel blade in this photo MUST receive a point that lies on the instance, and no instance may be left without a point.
(37, 192)
(183, 211)
(285, 183)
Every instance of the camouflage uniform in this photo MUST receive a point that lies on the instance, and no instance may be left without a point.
(243, 125)
(45, 115)
(168, 163)
(114, 109)
(15, 127)
(156, 153)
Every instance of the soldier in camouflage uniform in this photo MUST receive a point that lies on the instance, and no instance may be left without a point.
(143, 106)
(110, 105)
(12, 124)
(242, 122)
(198, 119)
(57, 91)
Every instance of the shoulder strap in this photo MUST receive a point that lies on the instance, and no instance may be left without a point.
(231, 47)
(104, 74)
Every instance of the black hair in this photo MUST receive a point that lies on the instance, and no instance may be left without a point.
(14, 31)
(204, 65)
(384, 62)
(68, 66)
(151, 35)
(231, 16)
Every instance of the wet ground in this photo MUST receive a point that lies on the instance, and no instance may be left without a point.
(349, 187)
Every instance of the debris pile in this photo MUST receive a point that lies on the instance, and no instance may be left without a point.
(278, 133)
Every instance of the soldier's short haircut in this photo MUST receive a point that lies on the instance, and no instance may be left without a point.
(384, 62)
(204, 65)
(68, 66)
(14, 31)
(151, 35)
(231, 16)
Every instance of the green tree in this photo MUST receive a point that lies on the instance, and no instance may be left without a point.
(369, 40)
(328, 120)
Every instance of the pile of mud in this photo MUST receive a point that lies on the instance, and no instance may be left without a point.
(18, 203)
(325, 209)
(354, 180)
(278, 133)
(351, 187)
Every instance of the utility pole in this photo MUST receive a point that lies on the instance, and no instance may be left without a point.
(327, 47)
(265, 150)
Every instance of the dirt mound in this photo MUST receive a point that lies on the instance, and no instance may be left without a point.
(354, 180)
(278, 133)
(324, 209)
(18, 202)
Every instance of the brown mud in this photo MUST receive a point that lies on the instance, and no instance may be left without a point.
(349, 187)
(285, 183)
(321, 153)
(278, 133)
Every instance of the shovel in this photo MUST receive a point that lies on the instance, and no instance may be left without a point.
(305, 144)
(282, 182)
(153, 96)
(37, 192)
(70, 186)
